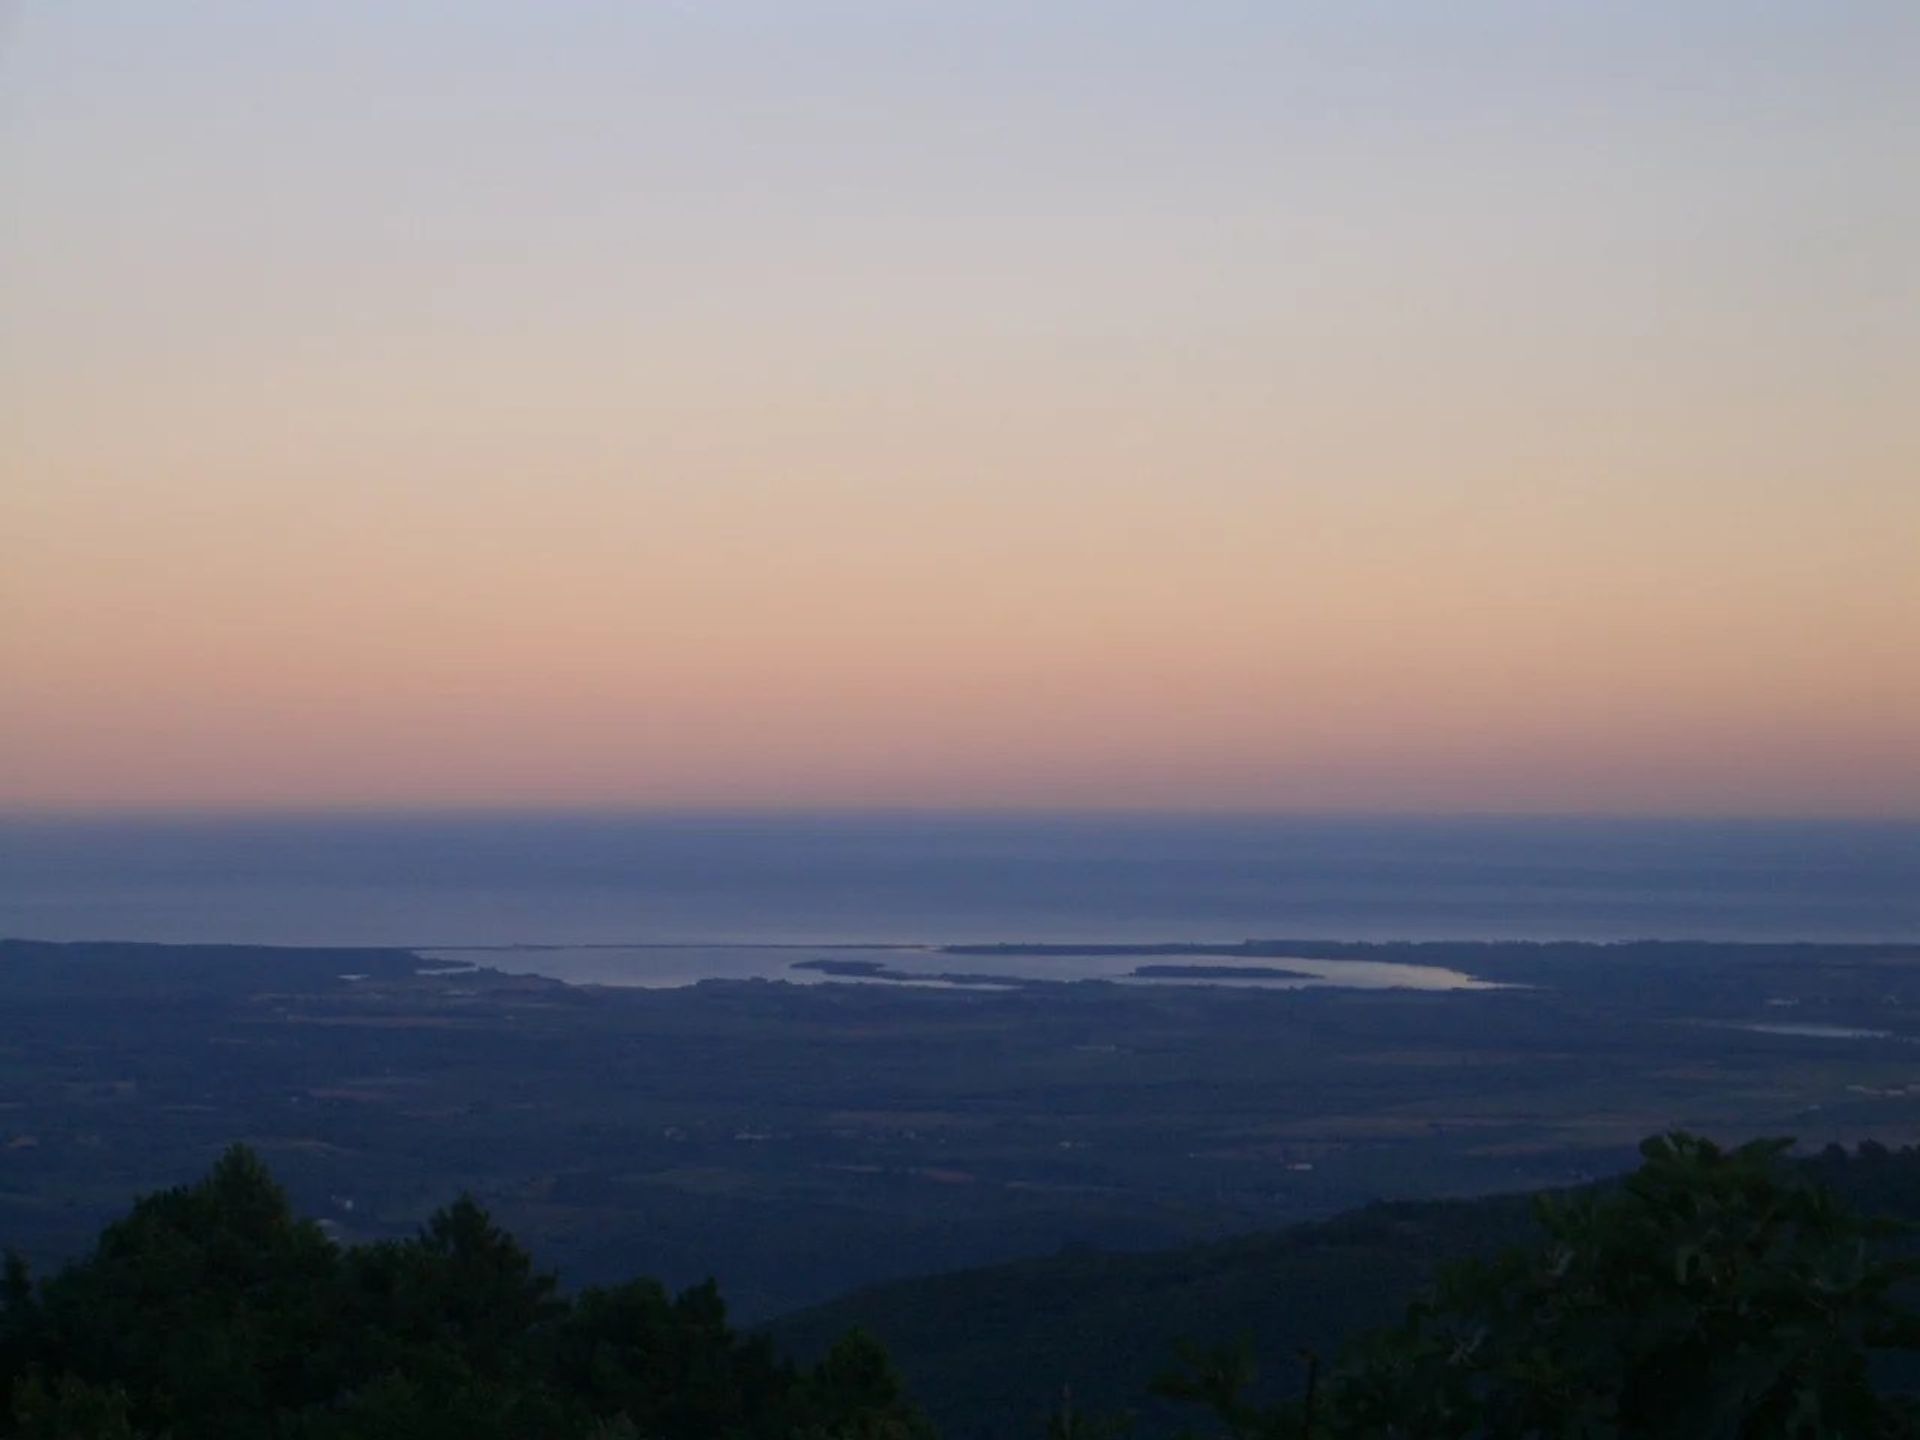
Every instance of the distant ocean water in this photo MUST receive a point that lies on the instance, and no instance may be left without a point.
(742, 879)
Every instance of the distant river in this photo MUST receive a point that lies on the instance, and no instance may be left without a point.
(707, 880)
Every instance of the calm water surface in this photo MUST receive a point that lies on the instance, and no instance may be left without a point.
(742, 880)
(662, 967)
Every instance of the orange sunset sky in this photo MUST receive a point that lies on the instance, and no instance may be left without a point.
(1384, 406)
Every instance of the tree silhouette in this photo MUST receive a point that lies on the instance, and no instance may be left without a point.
(212, 1312)
(1712, 1293)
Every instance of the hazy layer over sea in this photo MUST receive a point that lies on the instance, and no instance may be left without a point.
(440, 882)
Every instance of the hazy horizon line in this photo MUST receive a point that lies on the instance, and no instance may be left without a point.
(109, 814)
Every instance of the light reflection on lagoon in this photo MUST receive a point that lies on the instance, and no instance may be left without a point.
(1326, 974)
(663, 967)
(1815, 1032)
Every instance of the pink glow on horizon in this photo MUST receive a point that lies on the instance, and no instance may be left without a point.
(1253, 411)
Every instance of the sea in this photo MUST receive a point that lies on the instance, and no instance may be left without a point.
(649, 899)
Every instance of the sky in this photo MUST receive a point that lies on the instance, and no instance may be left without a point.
(1499, 406)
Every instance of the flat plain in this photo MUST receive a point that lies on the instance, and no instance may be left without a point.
(798, 1141)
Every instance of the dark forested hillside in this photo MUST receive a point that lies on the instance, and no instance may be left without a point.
(211, 1312)
(980, 1347)
(1723, 1292)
